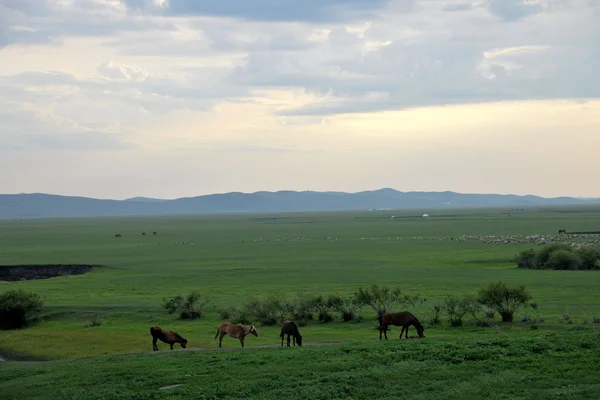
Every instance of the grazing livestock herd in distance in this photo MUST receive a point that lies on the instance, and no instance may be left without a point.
(404, 319)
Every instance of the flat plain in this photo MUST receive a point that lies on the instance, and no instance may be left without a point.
(232, 258)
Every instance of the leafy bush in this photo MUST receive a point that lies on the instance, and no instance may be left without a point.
(301, 309)
(347, 308)
(19, 309)
(526, 259)
(96, 320)
(189, 307)
(504, 300)
(455, 308)
(563, 259)
(543, 255)
(559, 256)
(382, 299)
(434, 317)
(589, 258)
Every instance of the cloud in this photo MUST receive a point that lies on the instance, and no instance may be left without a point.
(513, 10)
(25, 130)
(317, 11)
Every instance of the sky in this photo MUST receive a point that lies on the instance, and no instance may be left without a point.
(176, 98)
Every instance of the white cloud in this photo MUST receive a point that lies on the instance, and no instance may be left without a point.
(276, 78)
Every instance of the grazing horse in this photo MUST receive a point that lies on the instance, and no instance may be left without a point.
(235, 331)
(290, 328)
(562, 231)
(118, 235)
(166, 336)
(154, 233)
(143, 233)
(404, 318)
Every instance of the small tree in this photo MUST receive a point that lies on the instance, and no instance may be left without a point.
(380, 299)
(189, 307)
(504, 300)
(456, 309)
(19, 309)
(346, 307)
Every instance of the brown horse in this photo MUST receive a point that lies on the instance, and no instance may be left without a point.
(290, 328)
(235, 331)
(166, 336)
(404, 319)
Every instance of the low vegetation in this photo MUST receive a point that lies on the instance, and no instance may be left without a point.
(533, 366)
(189, 307)
(19, 309)
(559, 256)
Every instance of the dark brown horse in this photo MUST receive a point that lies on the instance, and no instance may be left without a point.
(290, 328)
(166, 336)
(404, 319)
(235, 331)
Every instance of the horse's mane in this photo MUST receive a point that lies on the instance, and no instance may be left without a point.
(416, 320)
(178, 336)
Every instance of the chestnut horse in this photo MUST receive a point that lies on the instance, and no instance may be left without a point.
(235, 331)
(166, 336)
(290, 328)
(403, 318)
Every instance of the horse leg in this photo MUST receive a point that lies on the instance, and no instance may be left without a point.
(294, 341)
(288, 340)
(407, 326)
(242, 341)
(221, 338)
(172, 343)
(154, 346)
(385, 331)
(402, 331)
(282, 335)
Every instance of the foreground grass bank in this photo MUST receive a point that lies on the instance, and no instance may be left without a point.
(532, 366)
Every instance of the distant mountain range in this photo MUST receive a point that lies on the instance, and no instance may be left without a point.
(39, 205)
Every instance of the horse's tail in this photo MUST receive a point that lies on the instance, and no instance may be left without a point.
(380, 318)
(217, 334)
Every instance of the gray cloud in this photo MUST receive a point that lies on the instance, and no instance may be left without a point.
(317, 11)
(481, 51)
(512, 10)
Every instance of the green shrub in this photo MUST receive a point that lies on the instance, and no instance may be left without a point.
(527, 259)
(504, 300)
(563, 259)
(543, 255)
(189, 307)
(382, 298)
(434, 316)
(589, 257)
(19, 309)
(347, 308)
(456, 309)
(559, 256)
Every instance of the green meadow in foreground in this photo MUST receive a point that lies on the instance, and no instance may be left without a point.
(96, 325)
(532, 366)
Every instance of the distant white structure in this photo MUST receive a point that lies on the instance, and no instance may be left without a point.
(425, 215)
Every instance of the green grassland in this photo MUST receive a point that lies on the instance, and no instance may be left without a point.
(228, 258)
(540, 366)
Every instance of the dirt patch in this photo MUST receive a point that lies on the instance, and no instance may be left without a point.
(170, 386)
(11, 273)
(268, 346)
(11, 355)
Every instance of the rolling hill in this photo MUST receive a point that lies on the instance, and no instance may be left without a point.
(39, 205)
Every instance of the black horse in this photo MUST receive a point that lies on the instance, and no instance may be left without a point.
(290, 328)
